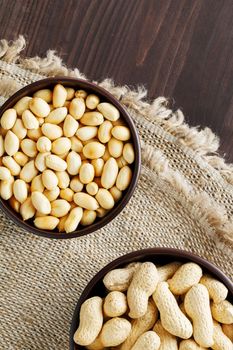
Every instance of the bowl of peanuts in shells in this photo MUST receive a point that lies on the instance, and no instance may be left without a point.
(69, 157)
(156, 298)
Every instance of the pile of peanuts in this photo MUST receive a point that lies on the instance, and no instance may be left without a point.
(65, 158)
(169, 307)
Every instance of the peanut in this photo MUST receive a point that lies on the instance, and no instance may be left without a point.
(142, 286)
(92, 101)
(117, 194)
(109, 174)
(197, 306)
(109, 111)
(20, 190)
(8, 119)
(128, 153)
(81, 94)
(121, 133)
(61, 145)
(67, 194)
(37, 184)
(77, 108)
(98, 165)
(49, 179)
(172, 319)
(59, 208)
(28, 172)
(101, 212)
(11, 143)
(92, 119)
(73, 219)
(6, 188)
(29, 120)
(76, 144)
(52, 195)
(59, 96)
(115, 147)
(20, 158)
(70, 126)
(70, 93)
(14, 204)
(105, 199)
(228, 330)
(41, 202)
(46, 222)
(76, 185)
(63, 179)
(119, 279)
(86, 133)
(124, 178)
(45, 94)
(85, 201)
(34, 134)
(5, 173)
(115, 331)
(22, 105)
(55, 163)
(222, 312)
(29, 147)
(92, 188)
(44, 144)
(104, 131)
(217, 290)
(40, 161)
(39, 107)
(190, 344)
(167, 271)
(73, 163)
(221, 341)
(86, 173)
(147, 341)
(27, 210)
(2, 150)
(115, 304)
(52, 131)
(121, 162)
(167, 340)
(93, 150)
(11, 164)
(184, 278)
(56, 116)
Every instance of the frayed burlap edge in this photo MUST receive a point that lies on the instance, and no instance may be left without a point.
(203, 142)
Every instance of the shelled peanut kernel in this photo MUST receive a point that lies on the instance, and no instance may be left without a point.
(60, 150)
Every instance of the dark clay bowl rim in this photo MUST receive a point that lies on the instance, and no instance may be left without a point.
(145, 255)
(79, 84)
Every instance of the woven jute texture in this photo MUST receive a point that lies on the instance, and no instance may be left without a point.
(184, 199)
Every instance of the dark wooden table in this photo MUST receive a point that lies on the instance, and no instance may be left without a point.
(182, 49)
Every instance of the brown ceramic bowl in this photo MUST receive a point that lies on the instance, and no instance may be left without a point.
(157, 255)
(105, 96)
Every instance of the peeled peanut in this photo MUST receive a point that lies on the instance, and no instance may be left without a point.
(91, 320)
(20, 190)
(41, 202)
(52, 194)
(40, 161)
(46, 222)
(105, 199)
(20, 158)
(11, 164)
(76, 144)
(197, 306)
(85, 201)
(28, 172)
(184, 278)
(5, 173)
(8, 119)
(88, 217)
(217, 290)
(104, 132)
(115, 147)
(27, 210)
(115, 304)
(56, 116)
(52, 131)
(11, 143)
(67, 194)
(19, 130)
(77, 108)
(124, 178)
(2, 150)
(63, 179)
(109, 174)
(6, 188)
(117, 194)
(92, 188)
(61, 145)
(98, 165)
(61, 225)
(73, 161)
(106, 155)
(55, 163)
(147, 341)
(59, 208)
(22, 105)
(222, 312)
(70, 93)
(86, 173)
(59, 95)
(128, 153)
(86, 133)
(228, 330)
(37, 184)
(45, 94)
(101, 212)
(34, 134)
(49, 179)
(92, 119)
(39, 107)
(75, 184)
(44, 144)
(29, 120)
(121, 162)
(70, 126)
(115, 331)
(109, 111)
(81, 94)
(29, 147)
(72, 222)
(93, 150)
(172, 318)
(92, 101)
(14, 204)
(121, 133)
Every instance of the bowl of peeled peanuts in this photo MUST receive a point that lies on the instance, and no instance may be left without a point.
(156, 298)
(69, 157)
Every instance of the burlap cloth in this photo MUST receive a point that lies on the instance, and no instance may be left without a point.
(184, 199)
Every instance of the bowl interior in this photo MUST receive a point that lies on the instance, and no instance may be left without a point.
(104, 96)
(159, 256)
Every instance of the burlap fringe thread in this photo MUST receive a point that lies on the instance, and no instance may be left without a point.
(203, 142)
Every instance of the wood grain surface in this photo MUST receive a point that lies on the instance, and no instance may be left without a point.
(182, 49)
